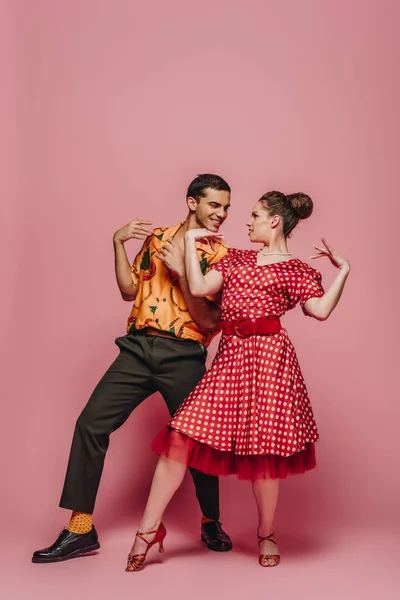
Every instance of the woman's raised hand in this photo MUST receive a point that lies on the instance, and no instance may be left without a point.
(338, 261)
(198, 234)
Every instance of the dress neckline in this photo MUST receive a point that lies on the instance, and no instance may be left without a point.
(279, 262)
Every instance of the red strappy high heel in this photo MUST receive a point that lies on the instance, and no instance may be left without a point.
(136, 561)
(275, 558)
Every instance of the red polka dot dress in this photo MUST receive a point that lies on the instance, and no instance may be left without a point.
(250, 415)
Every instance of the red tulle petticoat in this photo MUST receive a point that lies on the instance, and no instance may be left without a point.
(184, 449)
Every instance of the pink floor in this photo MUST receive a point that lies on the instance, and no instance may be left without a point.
(350, 564)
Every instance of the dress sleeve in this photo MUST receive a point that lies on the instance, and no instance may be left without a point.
(141, 261)
(222, 265)
(310, 286)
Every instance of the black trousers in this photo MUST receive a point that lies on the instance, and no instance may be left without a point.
(146, 364)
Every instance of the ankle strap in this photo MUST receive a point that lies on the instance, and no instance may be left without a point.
(140, 535)
(268, 537)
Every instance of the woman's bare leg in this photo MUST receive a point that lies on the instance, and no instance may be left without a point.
(266, 494)
(167, 478)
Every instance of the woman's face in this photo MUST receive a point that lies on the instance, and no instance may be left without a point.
(259, 224)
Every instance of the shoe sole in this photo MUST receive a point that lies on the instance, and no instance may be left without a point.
(74, 554)
(227, 549)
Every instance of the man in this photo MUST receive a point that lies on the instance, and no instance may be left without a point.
(163, 350)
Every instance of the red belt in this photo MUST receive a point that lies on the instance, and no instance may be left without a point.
(247, 327)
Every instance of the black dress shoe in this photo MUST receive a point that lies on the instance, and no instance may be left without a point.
(68, 545)
(215, 537)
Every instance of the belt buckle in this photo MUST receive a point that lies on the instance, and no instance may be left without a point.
(236, 330)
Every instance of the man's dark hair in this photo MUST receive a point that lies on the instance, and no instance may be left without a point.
(198, 186)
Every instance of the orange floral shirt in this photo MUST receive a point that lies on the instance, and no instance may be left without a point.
(159, 302)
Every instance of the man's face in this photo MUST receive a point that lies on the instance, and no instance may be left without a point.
(212, 209)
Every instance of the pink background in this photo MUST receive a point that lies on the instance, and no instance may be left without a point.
(108, 110)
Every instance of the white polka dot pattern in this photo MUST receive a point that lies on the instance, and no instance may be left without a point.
(253, 400)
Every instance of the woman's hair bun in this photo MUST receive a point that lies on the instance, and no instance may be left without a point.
(301, 204)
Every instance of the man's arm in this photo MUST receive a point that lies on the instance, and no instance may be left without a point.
(136, 229)
(205, 313)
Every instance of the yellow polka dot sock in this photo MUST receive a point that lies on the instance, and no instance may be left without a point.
(206, 520)
(80, 522)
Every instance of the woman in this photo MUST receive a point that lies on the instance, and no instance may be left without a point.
(250, 414)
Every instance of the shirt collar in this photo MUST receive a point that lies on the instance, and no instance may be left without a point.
(171, 231)
(203, 244)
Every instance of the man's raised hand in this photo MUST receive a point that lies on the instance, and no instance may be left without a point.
(137, 229)
(172, 256)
